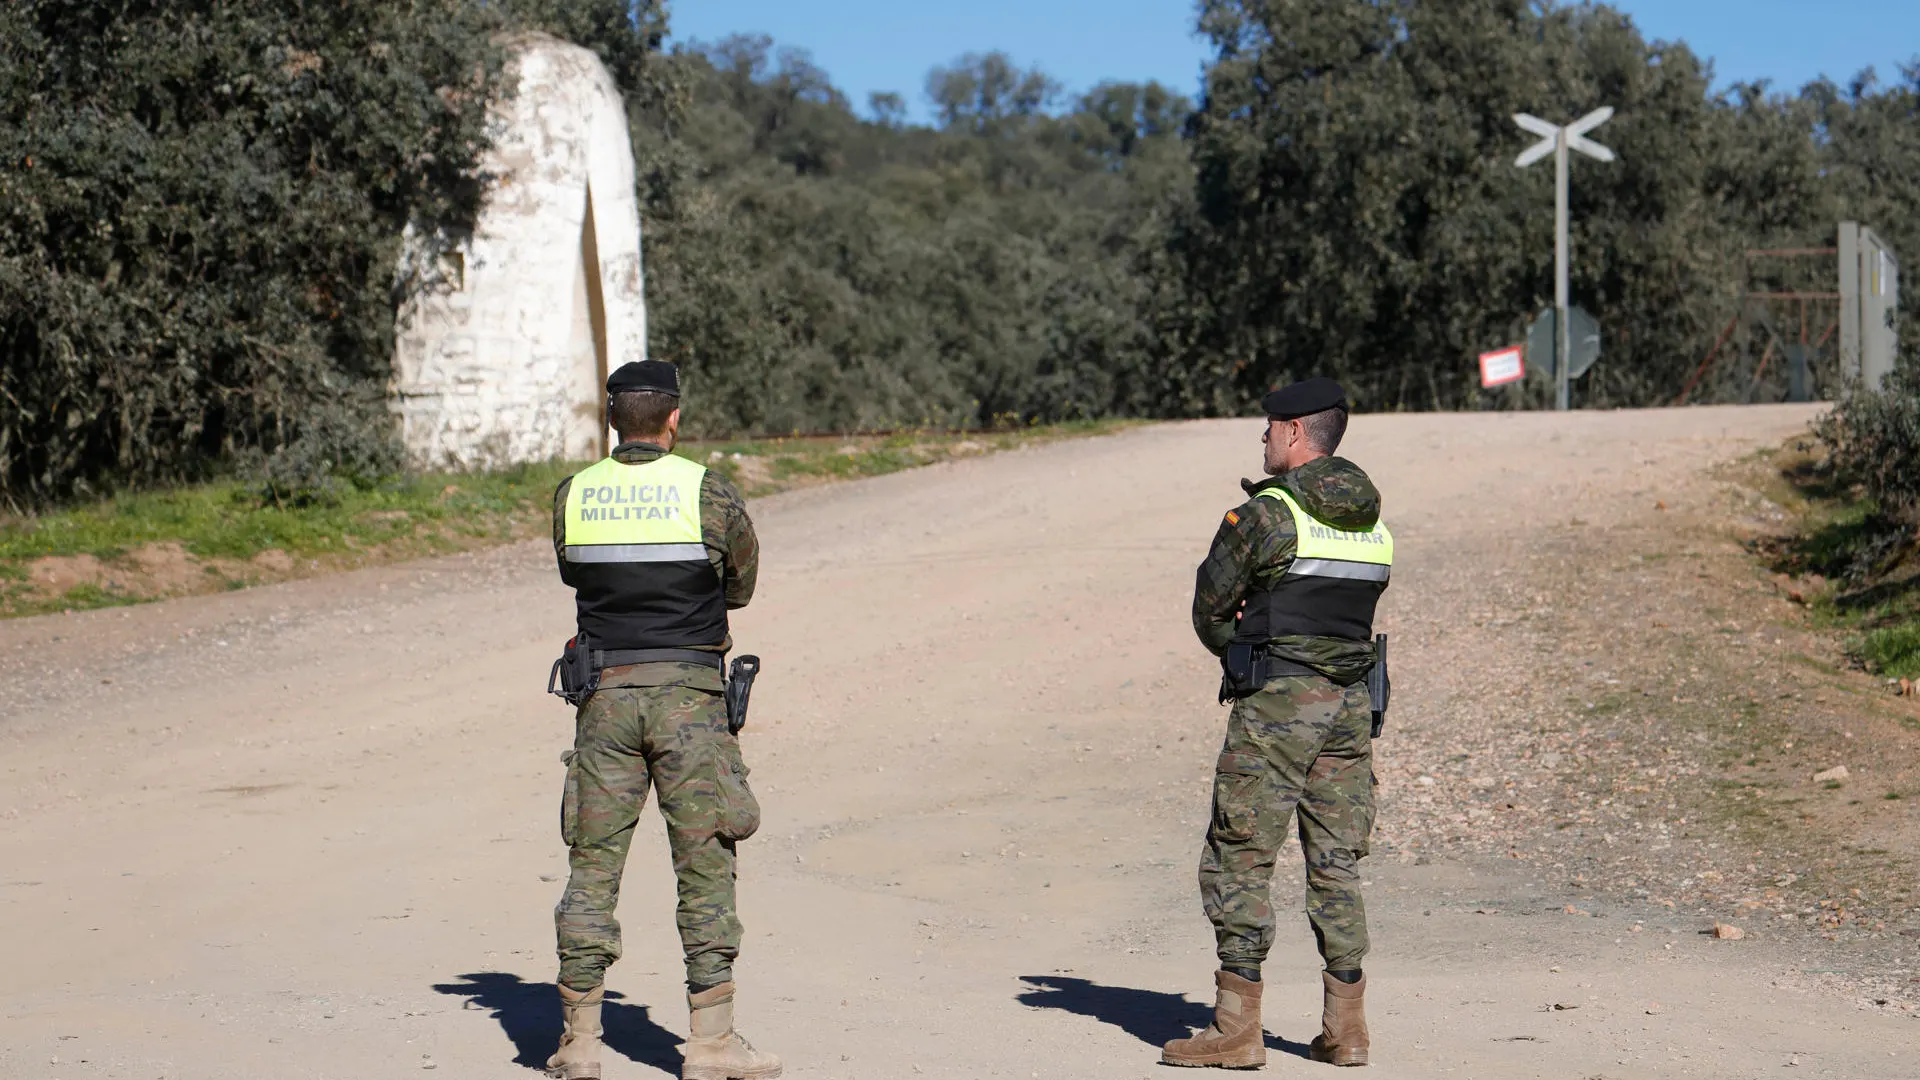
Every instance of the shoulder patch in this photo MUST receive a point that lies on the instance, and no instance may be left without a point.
(1233, 517)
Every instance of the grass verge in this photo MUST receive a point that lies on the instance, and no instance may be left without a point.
(150, 545)
(1894, 650)
(1858, 572)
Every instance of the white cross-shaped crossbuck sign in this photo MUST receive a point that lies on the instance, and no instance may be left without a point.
(1556, 141)
(1576, 136)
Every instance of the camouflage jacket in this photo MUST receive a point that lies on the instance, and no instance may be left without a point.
(724, 527)
(1254, 546)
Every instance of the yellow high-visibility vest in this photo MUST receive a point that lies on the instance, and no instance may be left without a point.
(621, 513)
(1323, 551)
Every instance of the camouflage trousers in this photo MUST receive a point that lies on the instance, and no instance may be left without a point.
(675, 739)
(1303, 747)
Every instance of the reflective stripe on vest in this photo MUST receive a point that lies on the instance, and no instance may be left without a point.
(1323, 551)
(620, 513)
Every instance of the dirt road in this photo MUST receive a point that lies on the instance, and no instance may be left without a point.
(311, 830)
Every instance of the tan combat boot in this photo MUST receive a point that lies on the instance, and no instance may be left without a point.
(1343, 1023)
(579, 1055)
(1234, 1041)
(714, 1050)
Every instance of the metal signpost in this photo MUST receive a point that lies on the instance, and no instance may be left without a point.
(1557, 140)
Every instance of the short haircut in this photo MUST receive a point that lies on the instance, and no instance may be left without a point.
(1325, 429)
(640, 413)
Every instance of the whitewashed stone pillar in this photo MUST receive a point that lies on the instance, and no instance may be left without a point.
(506, 361)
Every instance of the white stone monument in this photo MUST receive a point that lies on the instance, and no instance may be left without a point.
(507, 361)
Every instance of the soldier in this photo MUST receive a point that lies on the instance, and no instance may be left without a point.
(657, 549)
(1286, 597)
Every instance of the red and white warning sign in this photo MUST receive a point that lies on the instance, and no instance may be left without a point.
(1502, 366)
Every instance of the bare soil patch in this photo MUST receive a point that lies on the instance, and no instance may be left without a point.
(1675, 730)
(155, 572)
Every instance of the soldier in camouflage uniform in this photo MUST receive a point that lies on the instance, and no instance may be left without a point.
(653, 583)
(1294, 572)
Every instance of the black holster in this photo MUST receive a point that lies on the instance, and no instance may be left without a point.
(739, 688)
(1379, 686)
(574, 677)
(1244, 670)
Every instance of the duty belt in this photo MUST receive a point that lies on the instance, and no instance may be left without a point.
(1278, 667)
(606, 658)
(1246, 667)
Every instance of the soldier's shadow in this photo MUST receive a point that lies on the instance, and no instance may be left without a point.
(529, 1014)
(1151, 1016)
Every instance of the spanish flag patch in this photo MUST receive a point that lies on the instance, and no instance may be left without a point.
(1233, 517)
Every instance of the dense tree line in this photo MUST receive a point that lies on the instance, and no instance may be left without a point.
(1358, 211)
(201, 204)
(816, 269)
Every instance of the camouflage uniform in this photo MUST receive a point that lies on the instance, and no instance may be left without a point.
(1301, 745)
(664, 726)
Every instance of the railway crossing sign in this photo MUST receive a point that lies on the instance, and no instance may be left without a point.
(1556, 139)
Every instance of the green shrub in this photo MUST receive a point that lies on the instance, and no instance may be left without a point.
(201, 206)
(341, 444)
(1874, 441)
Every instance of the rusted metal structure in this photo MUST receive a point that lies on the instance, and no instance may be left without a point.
(1791, 339)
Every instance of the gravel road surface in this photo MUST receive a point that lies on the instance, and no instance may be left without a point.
(310, 830)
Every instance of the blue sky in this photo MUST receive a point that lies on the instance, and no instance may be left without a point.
(869, 45)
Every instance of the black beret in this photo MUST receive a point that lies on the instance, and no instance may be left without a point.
(1304, 399)
(655, 376)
